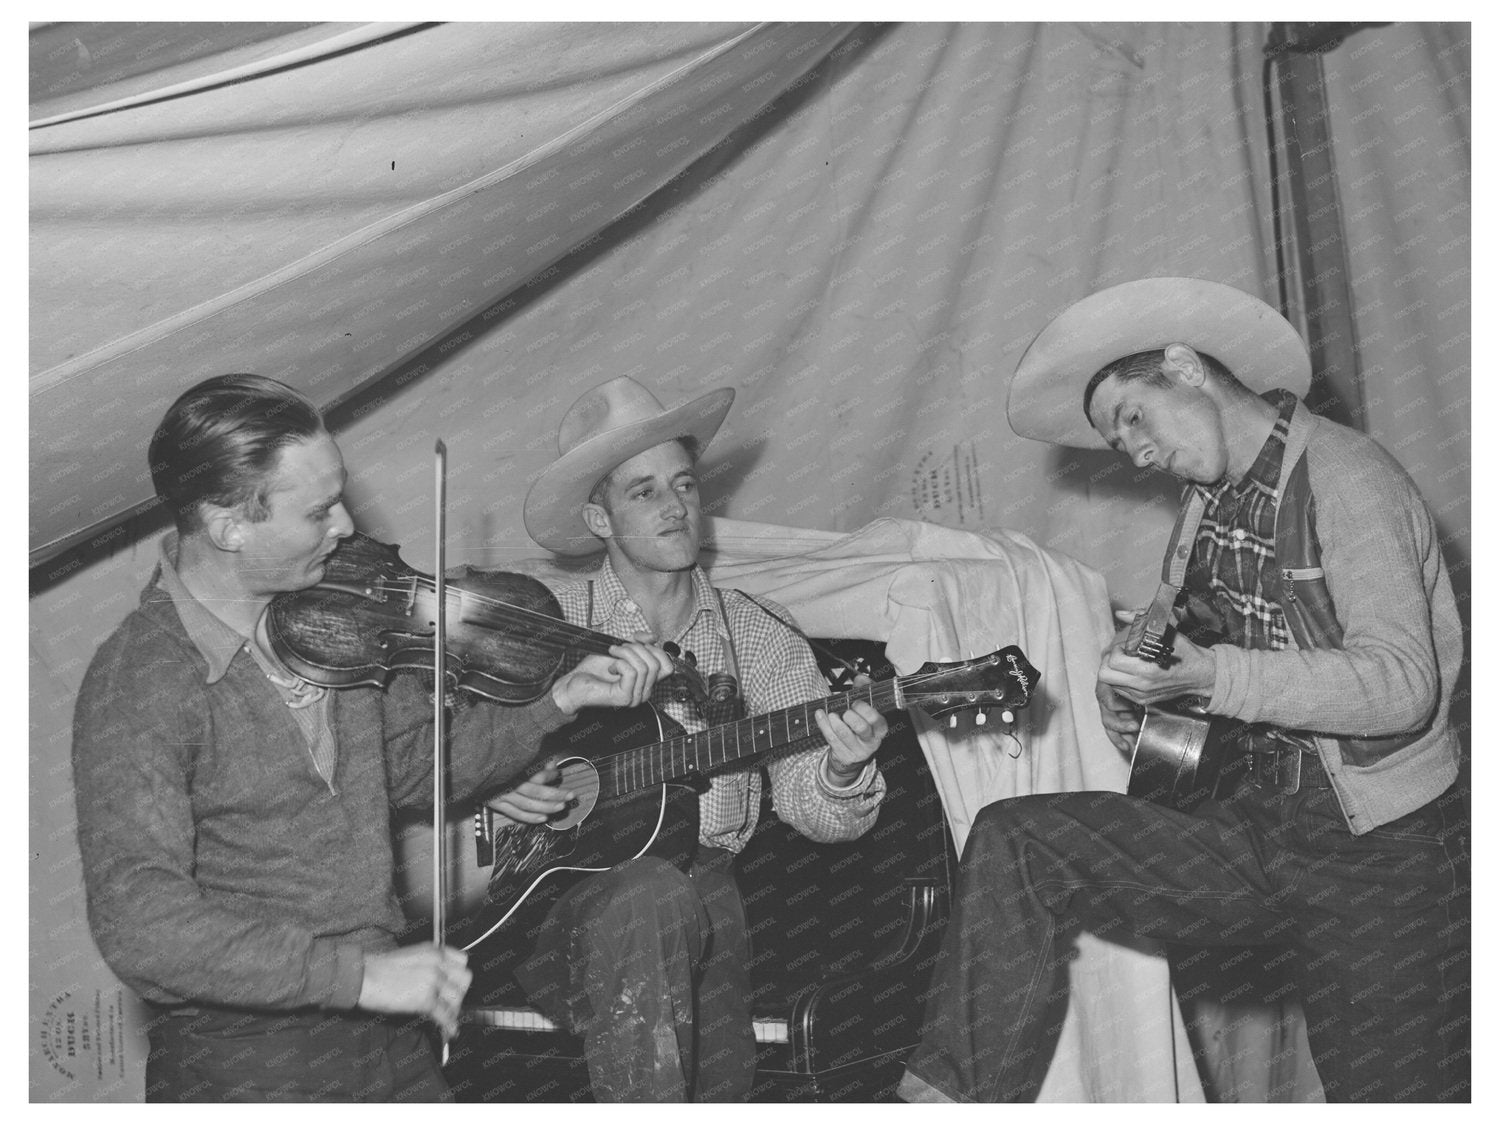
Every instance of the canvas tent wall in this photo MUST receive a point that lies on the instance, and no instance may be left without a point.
(453, 230)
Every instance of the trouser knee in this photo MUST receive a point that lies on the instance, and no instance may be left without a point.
(1024, 845)
(648, 897)
(1002, 830)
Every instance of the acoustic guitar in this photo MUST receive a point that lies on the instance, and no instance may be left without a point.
(636, 776)
(1182, 756)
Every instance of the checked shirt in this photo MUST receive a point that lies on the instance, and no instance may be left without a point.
(1233, 569)
(776, 670)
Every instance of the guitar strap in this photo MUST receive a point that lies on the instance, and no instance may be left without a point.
(732, 655)
(1180, 546)
(1148, 634)
(726, 703)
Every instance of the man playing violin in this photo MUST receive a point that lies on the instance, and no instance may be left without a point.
(649, 964)
(234, 820)
(1327, 633)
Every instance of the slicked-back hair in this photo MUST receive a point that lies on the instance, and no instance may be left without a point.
(220, 441)
(601, 486)
(1147, 366)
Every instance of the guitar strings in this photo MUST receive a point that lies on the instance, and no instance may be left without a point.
(648, 764)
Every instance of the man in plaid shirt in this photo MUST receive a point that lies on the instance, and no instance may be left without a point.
(648, 963)
(1315, 613)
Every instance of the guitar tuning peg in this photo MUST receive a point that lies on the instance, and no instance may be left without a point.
(952, 722)
(980, 718)
(1008, 717)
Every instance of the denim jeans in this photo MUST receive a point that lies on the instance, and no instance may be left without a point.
(1378, 924)
(215, 1055)
(651, 967)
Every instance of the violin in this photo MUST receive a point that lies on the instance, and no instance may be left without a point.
(372, 615)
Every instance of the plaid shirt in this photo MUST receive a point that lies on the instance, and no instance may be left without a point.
(776, 670)
(1233, 568)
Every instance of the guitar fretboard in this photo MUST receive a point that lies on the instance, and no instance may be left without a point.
(715, 747)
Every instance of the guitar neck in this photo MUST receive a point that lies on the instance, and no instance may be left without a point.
(719, 746)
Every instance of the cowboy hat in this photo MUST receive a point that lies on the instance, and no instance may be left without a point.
(1242, 332)
(607, 427)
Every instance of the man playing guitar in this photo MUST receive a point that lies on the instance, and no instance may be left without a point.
(649, 964)
(1338, 648)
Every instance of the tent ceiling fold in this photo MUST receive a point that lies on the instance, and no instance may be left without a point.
(317, 202)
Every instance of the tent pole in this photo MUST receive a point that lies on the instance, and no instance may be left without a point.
(1306, 150)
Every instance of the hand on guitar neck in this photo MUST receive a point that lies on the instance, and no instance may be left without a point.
(536, 800)
(1182, 669)
(1148, 664)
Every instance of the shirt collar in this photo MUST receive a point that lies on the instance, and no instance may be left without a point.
(609, 592)
(216, 641)
(1265, 470)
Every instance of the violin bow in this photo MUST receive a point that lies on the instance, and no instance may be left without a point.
(439, 718)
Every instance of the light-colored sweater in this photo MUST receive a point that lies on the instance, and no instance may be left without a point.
(1403, 643)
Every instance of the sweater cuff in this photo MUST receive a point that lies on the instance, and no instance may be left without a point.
(341, 964)
(1230, 677)
(544, 715)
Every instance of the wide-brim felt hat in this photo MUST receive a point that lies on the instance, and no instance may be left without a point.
(606, 427)
(1254, 341)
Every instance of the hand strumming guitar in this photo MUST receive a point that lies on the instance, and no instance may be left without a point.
(1190, 672)
(535, 800)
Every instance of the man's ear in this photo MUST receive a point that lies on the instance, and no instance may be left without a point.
(596, 518)
(1185, 364)
(224, 528)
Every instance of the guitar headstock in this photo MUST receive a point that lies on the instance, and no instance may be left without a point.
(1145, 642)
(841, 675)
(1002, 681)
(1150, 634)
